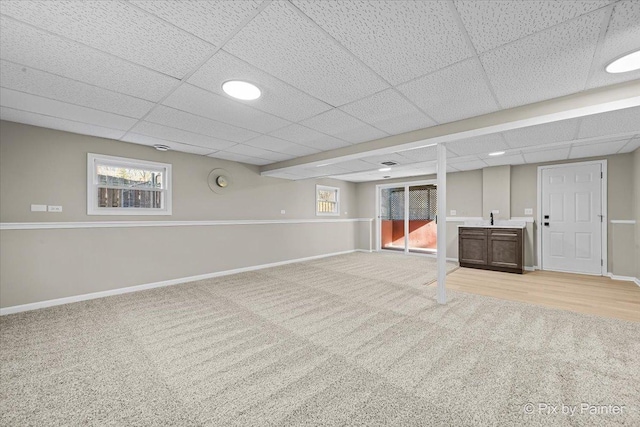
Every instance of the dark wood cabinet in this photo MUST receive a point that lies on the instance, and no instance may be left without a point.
(472, 246)
(500, 249)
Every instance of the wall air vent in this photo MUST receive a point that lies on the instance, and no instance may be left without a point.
(389, 163)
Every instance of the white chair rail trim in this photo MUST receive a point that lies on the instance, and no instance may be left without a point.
(130, 224)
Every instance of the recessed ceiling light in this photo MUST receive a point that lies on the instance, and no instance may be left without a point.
(384, 169)
(497, 153)
(628, 62)
(241, 90)
(161, 147)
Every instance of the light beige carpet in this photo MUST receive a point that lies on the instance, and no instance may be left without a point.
(349, 340)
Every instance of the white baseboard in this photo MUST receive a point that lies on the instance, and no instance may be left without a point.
(77, 298)
(624, 278)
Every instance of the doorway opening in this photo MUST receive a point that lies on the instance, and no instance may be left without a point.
(407, 217)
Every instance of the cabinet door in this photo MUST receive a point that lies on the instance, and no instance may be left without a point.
(505, 248)
(473, 246)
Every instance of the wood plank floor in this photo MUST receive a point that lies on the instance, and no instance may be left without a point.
(601, 296)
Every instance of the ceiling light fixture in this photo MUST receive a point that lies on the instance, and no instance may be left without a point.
(384, 169)
(161, 147)
(497, 153)
(241, 90)
(626, 63)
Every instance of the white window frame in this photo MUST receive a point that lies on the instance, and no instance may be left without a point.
(326, 187)
(92, 185)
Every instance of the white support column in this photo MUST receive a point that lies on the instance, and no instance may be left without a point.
(442, 223)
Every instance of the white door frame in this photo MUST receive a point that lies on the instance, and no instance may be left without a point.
(604, 213)
(406, 185)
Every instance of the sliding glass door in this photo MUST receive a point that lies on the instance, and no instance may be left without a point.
(407, 217)
(423, 206)
(392, 210)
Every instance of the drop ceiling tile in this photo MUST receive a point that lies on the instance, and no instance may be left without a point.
(493, 23)
(39, 50)
(247, 150)
(631, 146)
(281, 146)
(579, 151)
(117, 28)
(49, 107)
(612, 123)
(470, 165)
(548, 133)
(484, 144)
(181, 136)
(545, 65)
(356, 165)
(461, 159)
(278, 98)
(343, 126)
(35, 82)
(212, 21)
(198, 124)
(515, 159)
(421, 154)
(424, 154)
(621, 38)
(399, 40)
(49, 122)
(309, 137)
(285, 44)
(392, 157)
(137, 138)
(453, 93)
(389, 111)
(234, 157)
(203, 103)
(547, 155)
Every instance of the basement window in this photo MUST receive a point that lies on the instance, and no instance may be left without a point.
(121, 186)
(327, 200)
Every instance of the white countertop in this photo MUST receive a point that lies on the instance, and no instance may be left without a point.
(500, 223)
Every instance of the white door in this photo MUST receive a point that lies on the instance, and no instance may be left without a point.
(572, 218)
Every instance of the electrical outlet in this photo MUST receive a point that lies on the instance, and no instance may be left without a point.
(282, 212)
(495, 211)
(38, 208)
(453, 212)
(528, 211)
(52, 208)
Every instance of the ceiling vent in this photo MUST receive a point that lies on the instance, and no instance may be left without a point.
(389, 163)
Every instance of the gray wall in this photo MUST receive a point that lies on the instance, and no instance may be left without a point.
(465, 195)
(636, 198)
(496, 192)
(42, 166)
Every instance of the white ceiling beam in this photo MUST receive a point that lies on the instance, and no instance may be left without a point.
(594, 101)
